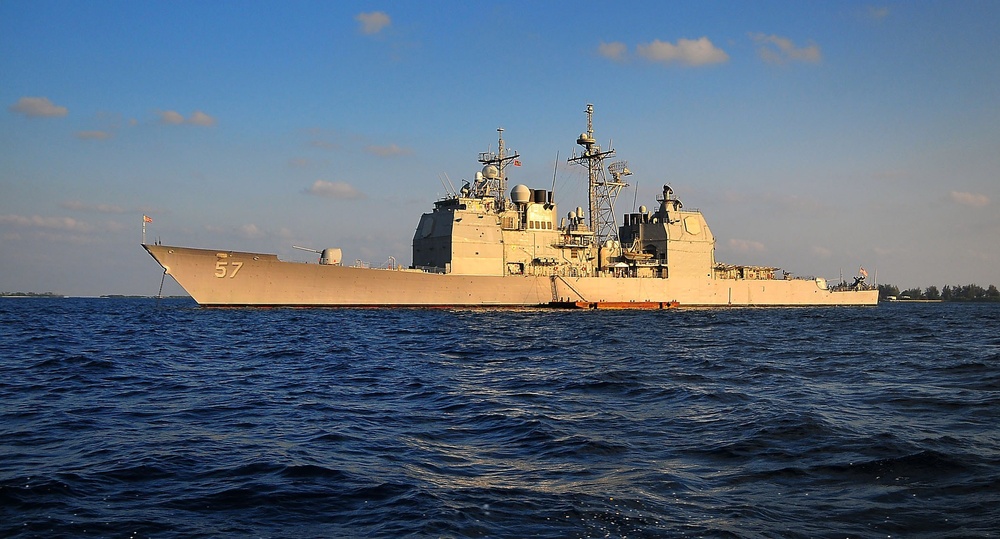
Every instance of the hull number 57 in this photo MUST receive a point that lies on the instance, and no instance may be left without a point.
(225, 269)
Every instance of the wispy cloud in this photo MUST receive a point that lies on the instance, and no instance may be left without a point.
(821, 252)
(615, 51)
(93, 135)
(77, 205)
(890, 251)
(250, 231)
(171, 117)
(690, 52)
(780, 50)
(797, 203)
(891, 174)
(66, 224)
(387, 151)
(200, 118)
(37, 107)
(973, 200)
(746, 246)
(323, 144)
(779, 202)
(373, 22)
(340, 190)
(877, 13)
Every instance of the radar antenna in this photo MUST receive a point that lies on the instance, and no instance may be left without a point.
(494, 184)
(601, 192)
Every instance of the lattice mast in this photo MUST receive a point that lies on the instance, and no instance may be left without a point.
(601, 193)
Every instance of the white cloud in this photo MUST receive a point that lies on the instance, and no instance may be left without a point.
(339, 190)
(171, 117)
(973, 200)
(200, 118)
(615, 51)
(692, 52)
(746, 246)
(373, 23)
(780, 50)
(38, 107)
(45, 223)
(387, 151)
(93, 135)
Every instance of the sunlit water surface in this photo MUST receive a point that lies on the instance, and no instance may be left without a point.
(125, 417)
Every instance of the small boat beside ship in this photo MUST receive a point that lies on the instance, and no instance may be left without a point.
(485, 246)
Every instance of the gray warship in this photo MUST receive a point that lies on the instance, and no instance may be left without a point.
(486, 247)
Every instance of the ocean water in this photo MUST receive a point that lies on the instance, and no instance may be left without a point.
(145, 418)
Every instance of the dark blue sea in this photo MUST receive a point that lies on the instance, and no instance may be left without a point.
(146, 418)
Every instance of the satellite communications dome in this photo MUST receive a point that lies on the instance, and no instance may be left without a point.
(520, 194)
(491, 172)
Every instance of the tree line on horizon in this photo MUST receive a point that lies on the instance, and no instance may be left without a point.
(969, 292)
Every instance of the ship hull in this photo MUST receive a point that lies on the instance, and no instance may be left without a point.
(708, 292)
(229, 278)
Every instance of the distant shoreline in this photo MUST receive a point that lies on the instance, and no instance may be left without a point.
(106, 296)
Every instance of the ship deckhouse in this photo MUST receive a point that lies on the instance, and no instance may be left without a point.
(482, 231)
(470, 236)
(671, 237)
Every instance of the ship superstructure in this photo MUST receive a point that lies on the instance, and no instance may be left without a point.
(486, 246)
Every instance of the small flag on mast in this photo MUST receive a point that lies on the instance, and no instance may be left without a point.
(145, 219)
(517, 163)
(863, 272)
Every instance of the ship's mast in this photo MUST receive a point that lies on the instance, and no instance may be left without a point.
(496, 185)
(601, 193)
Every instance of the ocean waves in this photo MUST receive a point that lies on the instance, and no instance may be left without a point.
(144, 418)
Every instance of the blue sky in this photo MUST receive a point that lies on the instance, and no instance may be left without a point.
(818, 137)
